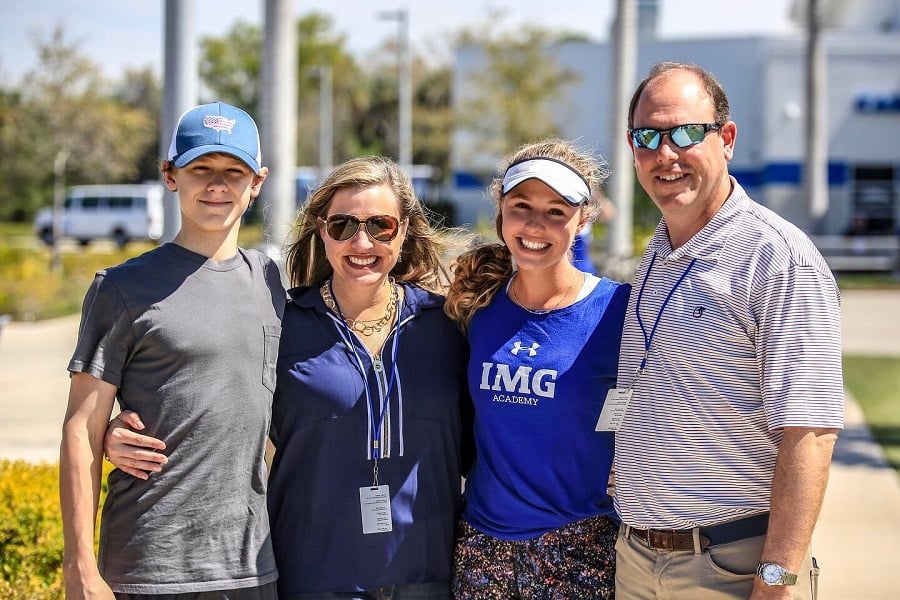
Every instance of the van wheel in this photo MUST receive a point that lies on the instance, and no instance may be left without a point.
(120, 238)
(46, 235)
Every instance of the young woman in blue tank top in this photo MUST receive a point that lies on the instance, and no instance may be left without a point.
(544, 345)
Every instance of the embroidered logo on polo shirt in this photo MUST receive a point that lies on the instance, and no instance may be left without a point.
(698, 312)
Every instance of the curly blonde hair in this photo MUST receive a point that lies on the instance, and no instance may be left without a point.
(479, 273)
(421, 264)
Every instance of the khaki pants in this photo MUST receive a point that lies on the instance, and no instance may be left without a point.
(726, 571)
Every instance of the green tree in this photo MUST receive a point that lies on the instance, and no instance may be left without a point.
(20, 175)
(319, 46)
(376, 114)
(433, 118)
(140, 90)
(364, 99)
(513, 96)
(230, 66)
(65, 108)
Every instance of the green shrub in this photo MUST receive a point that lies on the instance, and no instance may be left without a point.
(30, 290)
(31, 534)
(31, 538)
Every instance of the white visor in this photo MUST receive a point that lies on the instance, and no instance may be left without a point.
(563, 179)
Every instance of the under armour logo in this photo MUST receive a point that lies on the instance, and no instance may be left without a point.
(698, 312)
(532, 350)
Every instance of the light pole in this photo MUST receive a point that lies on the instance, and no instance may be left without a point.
(815, 172)
(621, 190)
(179, 92)
(404, 77)
(326, 119)
(278, 123)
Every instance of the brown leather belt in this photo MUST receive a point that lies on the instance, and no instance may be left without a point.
(674, 540)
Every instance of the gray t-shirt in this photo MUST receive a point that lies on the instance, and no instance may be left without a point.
(191, 344)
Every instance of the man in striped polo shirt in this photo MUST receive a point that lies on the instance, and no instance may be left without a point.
(730, 372)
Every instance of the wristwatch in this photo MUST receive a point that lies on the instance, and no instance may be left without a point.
(774, 574)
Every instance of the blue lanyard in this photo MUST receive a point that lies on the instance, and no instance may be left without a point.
(637, 309)
(386, 399)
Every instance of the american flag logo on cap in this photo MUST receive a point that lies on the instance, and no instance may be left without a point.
(218, 123)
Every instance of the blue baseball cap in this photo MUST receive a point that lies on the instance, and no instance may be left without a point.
(215, 127)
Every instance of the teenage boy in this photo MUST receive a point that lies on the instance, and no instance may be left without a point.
(186, 335)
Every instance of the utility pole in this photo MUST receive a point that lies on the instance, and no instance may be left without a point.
(404, 87)
(815, 172)
(621, 188)
(278, 121)
(179, 91)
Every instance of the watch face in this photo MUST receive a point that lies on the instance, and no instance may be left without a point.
(772, 573)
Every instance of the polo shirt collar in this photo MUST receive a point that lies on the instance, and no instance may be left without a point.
(706, 245)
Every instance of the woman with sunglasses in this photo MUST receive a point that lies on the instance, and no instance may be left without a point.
(371, 401)
(371, 410)
(544, 339)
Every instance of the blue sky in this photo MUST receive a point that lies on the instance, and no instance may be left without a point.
(127, 33)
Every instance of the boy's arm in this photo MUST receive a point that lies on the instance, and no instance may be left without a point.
(81, 456)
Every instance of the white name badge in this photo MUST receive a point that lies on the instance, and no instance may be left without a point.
(375, 506)
(613, 412)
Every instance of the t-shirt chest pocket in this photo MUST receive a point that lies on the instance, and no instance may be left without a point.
(271, 339)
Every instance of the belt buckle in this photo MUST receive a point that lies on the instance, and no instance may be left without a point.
(660, 539)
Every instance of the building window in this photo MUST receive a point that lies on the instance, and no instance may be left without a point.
(874, 200)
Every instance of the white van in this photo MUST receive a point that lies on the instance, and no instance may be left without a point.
(118, 212)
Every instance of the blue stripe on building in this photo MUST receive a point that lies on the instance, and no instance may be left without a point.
(465, 179)
(788, 173)
(776, 173)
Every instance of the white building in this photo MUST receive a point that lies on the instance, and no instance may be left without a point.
(765, 81)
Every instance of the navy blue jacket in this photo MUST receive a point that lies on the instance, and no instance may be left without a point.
(322, 427)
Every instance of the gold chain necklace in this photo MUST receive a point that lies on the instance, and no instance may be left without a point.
(541, 311)
(360, 326)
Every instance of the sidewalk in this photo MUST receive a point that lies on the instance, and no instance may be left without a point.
(856, 541)
(34, 387)
(858, 536)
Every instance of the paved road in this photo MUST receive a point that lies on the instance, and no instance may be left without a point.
(856, 541)
(34, 386)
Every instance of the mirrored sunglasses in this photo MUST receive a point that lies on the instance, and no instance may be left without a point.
(381, 228)
(682, 136)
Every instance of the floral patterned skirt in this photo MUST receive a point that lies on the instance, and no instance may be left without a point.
(574, 562)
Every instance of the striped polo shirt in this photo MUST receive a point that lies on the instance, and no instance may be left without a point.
(748, 340)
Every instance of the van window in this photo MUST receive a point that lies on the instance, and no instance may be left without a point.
(125, 202)
(90, 203)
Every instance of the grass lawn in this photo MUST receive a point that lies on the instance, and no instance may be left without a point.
(875, 383)
(12, 230)
(868, 281)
